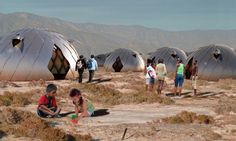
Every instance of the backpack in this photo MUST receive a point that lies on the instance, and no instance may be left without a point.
(79, 64)
(89, 64)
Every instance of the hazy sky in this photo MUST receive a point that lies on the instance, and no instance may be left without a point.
(163, 14)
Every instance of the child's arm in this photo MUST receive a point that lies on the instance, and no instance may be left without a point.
(77, 109)
(85, 111)
(46, 110)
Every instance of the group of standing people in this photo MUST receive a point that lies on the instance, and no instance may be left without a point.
(157, 73)
(82, 64)
(179, 76)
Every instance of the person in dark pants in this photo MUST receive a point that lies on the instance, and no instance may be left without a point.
(80, 66)
(92, 66)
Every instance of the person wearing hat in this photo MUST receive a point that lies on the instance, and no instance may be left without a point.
(80, 66)
(47, 105)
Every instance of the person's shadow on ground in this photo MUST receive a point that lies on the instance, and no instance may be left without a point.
(65, 114)
(100, 80)
(182, 94)
(100, 112)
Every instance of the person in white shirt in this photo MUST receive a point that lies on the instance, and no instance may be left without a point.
(150, 76)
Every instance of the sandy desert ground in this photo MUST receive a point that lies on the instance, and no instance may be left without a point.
(122, 103)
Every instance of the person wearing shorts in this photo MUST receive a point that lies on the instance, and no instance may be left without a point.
(151, 76)
(179, 77)
(147, 77)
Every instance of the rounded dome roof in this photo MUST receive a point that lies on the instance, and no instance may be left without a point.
(32, 54)
(215, 61)
(169, 55)
(124, 60)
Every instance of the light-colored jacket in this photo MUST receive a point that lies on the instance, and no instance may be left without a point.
(161, 71)
(94, 64)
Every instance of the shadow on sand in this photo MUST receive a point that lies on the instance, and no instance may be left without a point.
(2, 134)
(182, 94)
(208, 94)
(66, 114)
(99, 80)
(199, 95)
(100, 112)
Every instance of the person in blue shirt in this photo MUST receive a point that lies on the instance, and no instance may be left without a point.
(92, 66)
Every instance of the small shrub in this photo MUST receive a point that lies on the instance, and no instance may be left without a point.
(233, 131)
(109, 96)
(189, 117)
(26, 124)
(225, 86)
(226, 105)
(173, 120)
(210, 135)
(15, 99)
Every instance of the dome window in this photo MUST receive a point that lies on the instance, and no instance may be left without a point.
(18, 42)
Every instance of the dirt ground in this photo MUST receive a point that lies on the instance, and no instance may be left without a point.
(143, 120)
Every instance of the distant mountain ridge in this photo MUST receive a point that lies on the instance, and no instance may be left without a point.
(99, 39)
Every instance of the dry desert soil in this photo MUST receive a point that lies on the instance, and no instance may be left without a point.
(121, 104)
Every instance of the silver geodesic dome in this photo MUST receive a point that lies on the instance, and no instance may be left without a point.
(121, 60)
(169, 55)
(32, 54)
(214, 62)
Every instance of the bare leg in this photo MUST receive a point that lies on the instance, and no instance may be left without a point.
(151, 87)
(180, 91)
(146, 87)
(161, 86)
(158, 89)
(175, 91)
(57, 111)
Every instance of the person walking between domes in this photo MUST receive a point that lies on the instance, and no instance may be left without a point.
(92, 66)
(80, 67)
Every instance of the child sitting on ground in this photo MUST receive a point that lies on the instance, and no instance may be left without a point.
(47, 106)
(82, 105)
